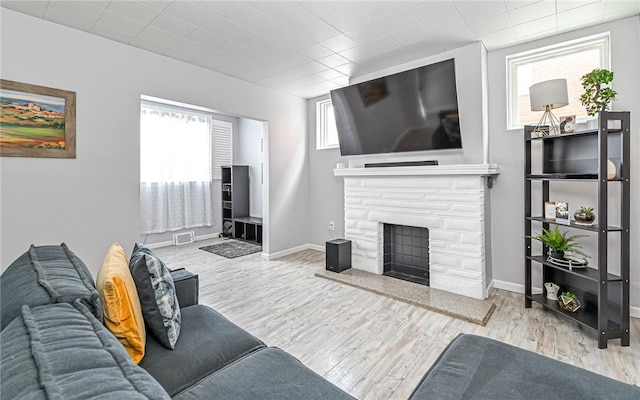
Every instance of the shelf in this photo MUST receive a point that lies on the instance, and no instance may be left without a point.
(586, 319)
(592, 228)
(593, 132)
(589, 273)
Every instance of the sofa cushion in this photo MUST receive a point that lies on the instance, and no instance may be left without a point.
(157, 295)
(477, 368)
(46, 275)
(267, 374)
(120, 302)
(207, 343)
(60, 351)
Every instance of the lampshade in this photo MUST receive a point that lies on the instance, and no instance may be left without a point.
(551, 93)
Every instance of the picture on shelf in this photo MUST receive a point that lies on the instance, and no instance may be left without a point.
(568, 124)
(562, 212)
(550, 210)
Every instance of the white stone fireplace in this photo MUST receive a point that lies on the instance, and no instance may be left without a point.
(450, 200)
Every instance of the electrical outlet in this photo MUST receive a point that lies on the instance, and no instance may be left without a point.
(332, 226)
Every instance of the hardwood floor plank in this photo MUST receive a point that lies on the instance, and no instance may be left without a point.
(372, 346)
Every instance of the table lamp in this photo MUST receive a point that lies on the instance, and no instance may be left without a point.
(546, 96)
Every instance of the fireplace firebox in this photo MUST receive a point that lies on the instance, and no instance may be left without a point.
(406, 253)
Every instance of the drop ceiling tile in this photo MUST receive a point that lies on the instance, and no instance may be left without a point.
(481, 9)
(589, 12)
(244, 15)
(315, 51)
(366, 34)
(537, 35)
(566, 5)
(410, 34)
(306, 81)
(119, 23)
(35, 8)
(513, 4)
(376, 9)
(325, 9)
(320, 31)
(271, 8)
(356, 54)
(172, 25)
(381, 45)
(313, 67)
(330, 74)
(296, 16)
(77, 15)
(214, 7)
(347, 69)
(341, 81)
(338, 43)
(425, 48)
(159, 5)
(536, 27)
(426, 10)
(346, 20)
(450, 24)
(113, 34)
(396, 20)
(134, 10)
(489, 24)
(156, 38)
(190, 12)
(532, 12)
(333, 61)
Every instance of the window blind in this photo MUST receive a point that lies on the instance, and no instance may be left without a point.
(222, 135)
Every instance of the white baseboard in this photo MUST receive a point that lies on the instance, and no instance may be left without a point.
(278, 254)
(167, 243)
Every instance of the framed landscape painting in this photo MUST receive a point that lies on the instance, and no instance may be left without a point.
(37, 121)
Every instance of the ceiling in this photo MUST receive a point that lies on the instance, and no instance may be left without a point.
(307, 48)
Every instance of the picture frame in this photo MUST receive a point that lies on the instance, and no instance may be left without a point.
(37, 121)
(550, 210)
(562, 213)
(568, 124)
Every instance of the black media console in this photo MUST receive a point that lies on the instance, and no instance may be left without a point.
(402, 164)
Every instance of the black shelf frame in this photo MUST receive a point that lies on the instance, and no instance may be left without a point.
(606, 322)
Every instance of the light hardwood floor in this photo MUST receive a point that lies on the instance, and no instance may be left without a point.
(371, 346)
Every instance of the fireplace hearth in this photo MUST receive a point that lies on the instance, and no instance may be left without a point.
(406, 253)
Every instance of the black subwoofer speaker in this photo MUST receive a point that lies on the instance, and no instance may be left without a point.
(338, 252)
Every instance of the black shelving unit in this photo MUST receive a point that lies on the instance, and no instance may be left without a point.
(235, 194)
(583, 157)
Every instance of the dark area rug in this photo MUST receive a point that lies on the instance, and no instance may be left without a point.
(233, 248)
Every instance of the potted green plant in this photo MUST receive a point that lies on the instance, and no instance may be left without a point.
(559, 243)
(597, 92)
(584, 215)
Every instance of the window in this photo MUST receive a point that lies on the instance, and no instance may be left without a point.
(568, 60)
(176, 160)
(326, 131)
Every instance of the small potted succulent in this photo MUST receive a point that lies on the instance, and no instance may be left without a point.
(568, 301)
(597, 92)
(584, 215)
(559, 244)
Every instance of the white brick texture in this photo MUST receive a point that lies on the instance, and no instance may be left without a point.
(451, 207)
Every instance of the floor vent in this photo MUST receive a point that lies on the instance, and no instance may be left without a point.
(183, 238)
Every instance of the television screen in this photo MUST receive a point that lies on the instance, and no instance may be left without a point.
(415, 110)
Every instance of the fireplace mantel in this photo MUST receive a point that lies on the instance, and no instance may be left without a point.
(452, 169)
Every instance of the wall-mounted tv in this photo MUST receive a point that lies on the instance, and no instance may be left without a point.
(415, 110)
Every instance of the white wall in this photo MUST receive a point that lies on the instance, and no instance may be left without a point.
(507, 149)
(91, 201)
(247, 151)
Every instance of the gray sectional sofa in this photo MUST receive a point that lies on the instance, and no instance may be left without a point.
(54, 346)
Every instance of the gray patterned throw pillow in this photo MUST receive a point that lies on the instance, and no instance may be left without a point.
(157, 293)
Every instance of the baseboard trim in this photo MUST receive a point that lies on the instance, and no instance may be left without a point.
(279, 254)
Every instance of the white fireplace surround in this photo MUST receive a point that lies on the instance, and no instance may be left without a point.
(450, 200)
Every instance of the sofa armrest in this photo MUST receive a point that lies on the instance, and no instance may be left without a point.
(187, 287)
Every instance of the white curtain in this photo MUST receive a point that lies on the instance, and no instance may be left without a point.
(175, 170)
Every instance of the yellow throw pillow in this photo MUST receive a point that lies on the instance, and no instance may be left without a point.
(120, 302)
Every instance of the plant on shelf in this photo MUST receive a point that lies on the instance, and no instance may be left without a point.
(597, 94)
(569, 301)
(584, 215)
(559, 243)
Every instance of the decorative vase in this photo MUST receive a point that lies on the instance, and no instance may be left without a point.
(584, 217)
(552, 290)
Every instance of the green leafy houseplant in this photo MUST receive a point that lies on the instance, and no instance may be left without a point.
(559, 243)
(597, 94)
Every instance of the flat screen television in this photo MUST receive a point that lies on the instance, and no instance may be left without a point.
(415, 110)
